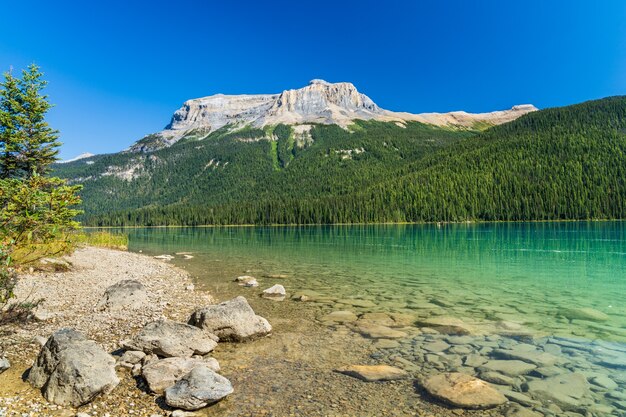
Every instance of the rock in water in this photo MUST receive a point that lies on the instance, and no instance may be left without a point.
(164, 373)
(197, 389)
(168, 338)
(566, 390)
(583, 313)
(277, 292)
(464, 391)
(371, 373)
(232, 320)
(4, 364)
(72, 370)
(122, 295)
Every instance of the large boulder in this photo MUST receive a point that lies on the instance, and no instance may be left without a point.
(72, 370)
(168, 339)
(464, 391)
(199, 388)
(164, 373)
(232, 320)
(123, 295)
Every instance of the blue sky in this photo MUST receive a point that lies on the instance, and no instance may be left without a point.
(118, 69)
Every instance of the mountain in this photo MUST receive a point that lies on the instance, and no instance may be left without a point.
(319, 102)
(553, 164)
(77, 158)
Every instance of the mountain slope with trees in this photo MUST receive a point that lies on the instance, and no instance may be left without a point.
(561, 163)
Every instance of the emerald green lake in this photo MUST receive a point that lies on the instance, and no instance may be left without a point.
(559, 288)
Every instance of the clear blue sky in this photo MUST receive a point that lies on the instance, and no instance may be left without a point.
(118, 69)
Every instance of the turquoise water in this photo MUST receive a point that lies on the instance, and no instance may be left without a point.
(545, 288)
(533, 268)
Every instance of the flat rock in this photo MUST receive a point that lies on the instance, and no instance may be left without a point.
(497, 378)
(73, 370)
(123, 295)
(583, 313)
(169, 338)
(166, 372)
(566, 390)
(339, 317)
(535, 356)
(357, 303)
(232, 320)
(464, 391)
(376, 331)
(520, 398)
(386, 344)
(508, 367)
(199, 388)
(435, 346)
(371, 373)
(247, 281)
(447, 325)
(605, 382)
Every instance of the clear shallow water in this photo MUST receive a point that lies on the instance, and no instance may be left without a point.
(515, 285)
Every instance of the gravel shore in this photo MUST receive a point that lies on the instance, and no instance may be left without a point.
(69, 300)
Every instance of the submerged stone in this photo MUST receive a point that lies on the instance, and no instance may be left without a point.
(464, 391)
(371, 373)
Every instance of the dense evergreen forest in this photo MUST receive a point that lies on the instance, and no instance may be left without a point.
(560, 163)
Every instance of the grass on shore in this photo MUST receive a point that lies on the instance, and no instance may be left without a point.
(101, 239)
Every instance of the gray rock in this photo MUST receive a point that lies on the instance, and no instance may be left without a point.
(199, 388)
(232, 320)
(169, 339)
(166, 372)
(72, 370)
(583, 313)
(508, 367)
(4, 364)
(604, 382)
(123, 295)
(497, 378)
(520, 398)
(277, 292)
(132, 357)
(566, 391)
(534, 356)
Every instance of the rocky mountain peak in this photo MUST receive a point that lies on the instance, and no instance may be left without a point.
(318, 102)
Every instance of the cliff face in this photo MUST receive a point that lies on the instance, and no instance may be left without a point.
(318, 102)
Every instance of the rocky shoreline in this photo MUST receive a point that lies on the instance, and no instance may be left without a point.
(310, 364)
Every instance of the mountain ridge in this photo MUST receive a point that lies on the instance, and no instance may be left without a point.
(319, 102)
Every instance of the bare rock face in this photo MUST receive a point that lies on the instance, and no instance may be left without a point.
(123, 295)
(199, 388)
(318, 102)
(464, 391)
(168, 339)
(166, 372)
(72, 370)
(232, 320)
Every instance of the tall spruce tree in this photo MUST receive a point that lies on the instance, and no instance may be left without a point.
(28, 144)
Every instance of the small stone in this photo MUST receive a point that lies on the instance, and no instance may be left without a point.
(276, 292)
(508, 367)
(375, 331)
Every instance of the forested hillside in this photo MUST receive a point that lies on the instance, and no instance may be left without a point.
(561, 163)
